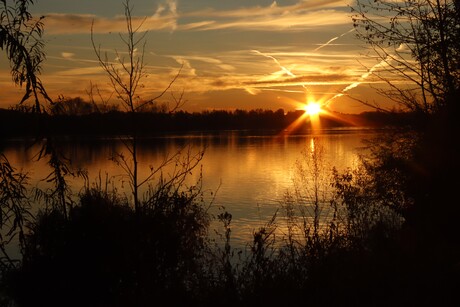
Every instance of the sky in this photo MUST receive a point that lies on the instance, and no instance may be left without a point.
(239, 54)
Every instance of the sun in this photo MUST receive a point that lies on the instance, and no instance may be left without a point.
(312, 108)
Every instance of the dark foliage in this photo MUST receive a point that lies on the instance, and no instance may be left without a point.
(104, 254)
(21, 39)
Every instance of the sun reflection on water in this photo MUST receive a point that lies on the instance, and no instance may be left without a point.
(250, 173)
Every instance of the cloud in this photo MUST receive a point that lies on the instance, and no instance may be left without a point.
(254, 84)
(292, 21)
(226, 67)
(204, 59)
(81, 71)
(197, 25)
(255, 71)
(166, 17)
(301, 15)
(252, 91)
(171, 12)
(67, 55)
(273, 9)
(301, 54)
(186, 65)
(78, 23)
(186, 59)
(312, 79)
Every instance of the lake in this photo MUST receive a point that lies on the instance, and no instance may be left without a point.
(247, 173)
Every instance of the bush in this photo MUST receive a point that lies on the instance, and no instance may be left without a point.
(105, 254)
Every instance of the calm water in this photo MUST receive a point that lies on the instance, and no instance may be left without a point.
(250, 173)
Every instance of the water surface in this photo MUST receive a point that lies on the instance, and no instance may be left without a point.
(247, 173)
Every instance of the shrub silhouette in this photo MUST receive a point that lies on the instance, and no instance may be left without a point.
(105, 254)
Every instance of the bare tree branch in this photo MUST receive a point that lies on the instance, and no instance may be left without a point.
(419, 43)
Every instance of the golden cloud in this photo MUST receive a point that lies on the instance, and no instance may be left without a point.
(304, 14)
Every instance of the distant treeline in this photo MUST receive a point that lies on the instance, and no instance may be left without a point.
(15, 123)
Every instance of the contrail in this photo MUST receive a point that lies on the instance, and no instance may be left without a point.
(283, 68)
(291, 74)
(287, 71)
(361, 79)
(327, 43)
(333, 39)
(363, 76)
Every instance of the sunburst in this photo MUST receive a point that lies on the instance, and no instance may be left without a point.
(313, 108)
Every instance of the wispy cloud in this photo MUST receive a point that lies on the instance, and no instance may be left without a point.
(253, 83)
(74, 24)
(301, 15)
(67, 55)
(205, 64)
(167, 17)
(186, 66)
(204, 59)
(291, 21)
(164, 18)
(272, 9)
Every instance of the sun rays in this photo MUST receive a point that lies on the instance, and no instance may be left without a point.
(314, 117)
(313, 108)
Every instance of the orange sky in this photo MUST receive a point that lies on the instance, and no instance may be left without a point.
(235, 54)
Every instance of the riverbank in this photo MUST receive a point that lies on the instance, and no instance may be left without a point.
(19, 124)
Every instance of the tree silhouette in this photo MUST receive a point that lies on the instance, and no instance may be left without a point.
(125, 75)
(72, 106)
(416, 43)
(21, 38)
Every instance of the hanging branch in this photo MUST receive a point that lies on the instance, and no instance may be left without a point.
(21, 38)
